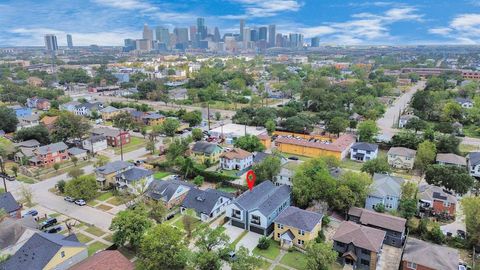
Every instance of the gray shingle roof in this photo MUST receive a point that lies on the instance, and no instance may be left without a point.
(52, 148)
(430, 255)
(153, 116)
(96, 138)
(380, 220)
(451, 159)
(384, 184)
(365, 146)
(299, 218)
(473, 158)
(402, 151)
(108, 109)
(8, 203)
(259, 156)
(28, 143)
(134, 174)
(203, 201)
(113, 167)
(360, 236)
(76, 151)
(37, 252)
(431, 193)
(110, 132)
(11, 229)
(463, 100)
(265, 197)
(204, 147)
(164, 190)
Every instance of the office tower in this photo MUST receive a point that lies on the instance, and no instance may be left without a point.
(278, 40)
(246, 37)
(51, 43)
(216, 35)
(69, 41)
(296, 40)
(242, 27)
(262, 33)
(201, 28)
(143, 44)
(193, 32)
(129, 45)
(254, 35)
(162, 35)
(271, 35)
(315, 42)
(181, 35)
(147, 32)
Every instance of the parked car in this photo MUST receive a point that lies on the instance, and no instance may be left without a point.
(69, 199)
(48, 223)
(293, 158)
(54, 229)
(31, 212)
(80, 202)
(230, 256)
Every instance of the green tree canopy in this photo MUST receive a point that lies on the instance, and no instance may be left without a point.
(367, 130)
(9, 119)
(376, 165)
(451, 177)
(82, 187)
(129, 226)
(170, 126)
(249, 143)
(267, 169)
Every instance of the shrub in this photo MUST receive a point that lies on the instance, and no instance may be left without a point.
(263, 243)
(198, 180)
(61, 186)
(320, 237)
(325, 221)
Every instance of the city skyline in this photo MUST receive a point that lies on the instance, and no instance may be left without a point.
(108, 22)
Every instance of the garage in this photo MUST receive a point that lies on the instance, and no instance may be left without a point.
(238, 224)
(257, 230)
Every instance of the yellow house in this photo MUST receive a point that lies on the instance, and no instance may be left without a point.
(106, 174)
(109, 112)
(265, 140)
(295, 226)
(339, 148)
(203, 151)
(153, 119)
(48, 251)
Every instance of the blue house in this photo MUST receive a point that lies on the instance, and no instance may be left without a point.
(257, 209)
(386, 190)
(21, 111)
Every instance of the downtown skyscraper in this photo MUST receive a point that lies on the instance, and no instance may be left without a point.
(69, 41)
(51, 44)
(272, 35)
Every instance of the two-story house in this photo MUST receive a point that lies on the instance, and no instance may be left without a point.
(362, 151)
(393, 226)
(257, 209)
(109, 112)
(153, 119)
(385, 190)
(42, 104)
(134, 180)
(95, 143)
(401, 157)
(28, 121)
(286, 173)
(114, 136)
(358, 246)
(86, 109)
(10, 205)
(25, 151)
(473, 164)
(170, 192)
(203, 151)
(421, 255)
(451, 159)
(434, 201)
(295, 226)
(236, 159)
(207, 204)
(106, 175)
(69, 106)
(50, 154)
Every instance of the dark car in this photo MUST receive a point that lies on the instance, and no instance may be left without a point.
(31, 212)
(69, 199)
(293, 158)
(48, 223)
(54, 229)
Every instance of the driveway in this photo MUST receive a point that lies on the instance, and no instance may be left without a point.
(390, 258)
(250, 241)
(458, 224)
(232, 231)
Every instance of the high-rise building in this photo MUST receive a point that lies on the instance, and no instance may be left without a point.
(295, 40)
(254, 35)
(193, 33)
(262, 33)
(69, 41)
(143, 44)
(162, 35)
(246, 37)
(51, 44)
(201, 28)
(315, 42)
(129, 45)
(181, 35)
(147, 32)
(242, 27)
(216, 35)
(271, 35)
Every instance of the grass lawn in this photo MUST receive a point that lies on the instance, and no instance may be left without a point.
(115, 201)
(104, 196)
(95, 231)
(54, 215)
(83, 238)
(278, 267)
(179, 223)
(295, 259)
(271, 253)
(96, 246)
(471, 131)
(466, 148)
(25, 179)
(92, 203)
(265, 265)
(104, 207)
(350, 164)
(336, 266)
(109, 238)
(232, 173)
(227, 189)
(2, 190)
(134, 144)
(160, 175)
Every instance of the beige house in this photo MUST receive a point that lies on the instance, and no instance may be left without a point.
(401, 157)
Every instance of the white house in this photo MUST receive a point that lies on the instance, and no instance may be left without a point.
(86, 109)
(286, 173)
(473, 162)
(404, 119)
(95, 143)
(361, 151)
(207, 204)
(236, 159)
(135, 180)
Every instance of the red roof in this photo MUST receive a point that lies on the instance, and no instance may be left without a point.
(342, 143)
(105, 260)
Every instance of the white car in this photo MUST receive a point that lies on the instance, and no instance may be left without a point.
(80, 202)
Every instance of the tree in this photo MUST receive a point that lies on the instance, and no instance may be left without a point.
(39, 133)
(150, 147)
(177, 148)
(187, 222)
(337, 125)
(74, 160)
(102, 161)
(267, 169)
(170, 126)
(357, 183)
(158, 211)
(61, 186)
(249, 143)
(76, 172)
(56, 166)
(343, 200)
(448, 144)
(70, 126)
(193, 118)
(124, 121)
(14, 169)
(270, 126)
(451, 177)
(263, 243)
(9, 119)
(408, 208)
(416, 124)
(380, 208)
(209, 239)
(471, 208)
(244, 261)
(27, 194)
(162, 247)
(207, 261)
(376, 165)
(197, 134)
(129, 226)
(320, 256)
(218, 116)
(436, 234)
(198, 180)
(426, 154)
(367, 130)
(83, 187)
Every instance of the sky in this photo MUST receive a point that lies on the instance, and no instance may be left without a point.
(339, 22)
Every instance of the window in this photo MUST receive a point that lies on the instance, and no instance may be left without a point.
(340, 244)
(62, 254)
(278, 235)
(300, 242)
(366, 252)
(280, 226)
(364, 262)
(446, 204)
(236, 213)
(411, 265)
(301, 232)
(255, 220)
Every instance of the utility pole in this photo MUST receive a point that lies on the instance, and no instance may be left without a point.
(208, 116)
(3, 174)
(121, 145)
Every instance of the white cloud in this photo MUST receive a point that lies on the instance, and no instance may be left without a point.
(440, 31)
(264, 8)
(463, 29)
(124, 4)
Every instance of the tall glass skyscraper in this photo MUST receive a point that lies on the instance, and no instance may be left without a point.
(51, 44)
(69, 41)
(271, 35)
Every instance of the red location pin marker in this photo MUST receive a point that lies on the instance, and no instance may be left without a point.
(251, 179)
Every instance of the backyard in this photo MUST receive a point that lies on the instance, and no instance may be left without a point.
(134, 144)
(160, 175)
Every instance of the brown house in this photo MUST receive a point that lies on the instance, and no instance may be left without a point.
(105, 260)
(420, 255)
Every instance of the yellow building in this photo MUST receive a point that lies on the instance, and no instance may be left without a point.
(48, 251)
(265, 140)
(109, 112)
(338, 148)
(295, 226)
(203, 151)
(153, 119)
